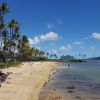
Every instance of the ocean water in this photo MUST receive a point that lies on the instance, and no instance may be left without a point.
(80, 81)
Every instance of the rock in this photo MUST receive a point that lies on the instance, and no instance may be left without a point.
(71, 87)
(8, 73)
(3, 77)
(8, 82)
(78, 97)
(70, 91)
(11, 73)
(9, 78)
(54, 89)
(0, 72)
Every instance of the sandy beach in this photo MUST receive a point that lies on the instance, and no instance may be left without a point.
(26, 81)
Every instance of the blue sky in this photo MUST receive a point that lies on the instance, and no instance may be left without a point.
(59, 26)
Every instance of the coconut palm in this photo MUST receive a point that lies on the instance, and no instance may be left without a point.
(41, 53)
(12, 41)
(24, 40)
(47, 54)
(33, 51)
(13, 35)
(14, 27)
(4, 9)
(3, 27)
(51, 56)
(36, 52)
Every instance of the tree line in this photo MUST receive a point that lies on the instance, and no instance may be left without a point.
(13, 45)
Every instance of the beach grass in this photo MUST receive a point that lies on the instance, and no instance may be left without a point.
(9, 64)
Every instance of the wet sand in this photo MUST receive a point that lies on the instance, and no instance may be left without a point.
(52, 95)
(49, 95)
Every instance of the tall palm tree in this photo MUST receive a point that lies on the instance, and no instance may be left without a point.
(14, 26)
(14, 34)
(3, 27)
(4, 9)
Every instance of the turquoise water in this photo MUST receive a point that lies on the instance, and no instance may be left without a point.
(83, 77)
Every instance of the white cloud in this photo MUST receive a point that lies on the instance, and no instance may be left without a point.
(65, 48)
(95, 35)
(34, 41)
(78, 42)
(51, 36)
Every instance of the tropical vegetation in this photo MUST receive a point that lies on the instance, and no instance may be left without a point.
(15, 47)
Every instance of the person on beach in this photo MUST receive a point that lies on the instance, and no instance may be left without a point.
(68, 65)
(30, 64)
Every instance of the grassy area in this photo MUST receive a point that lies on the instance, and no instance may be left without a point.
(9, 64)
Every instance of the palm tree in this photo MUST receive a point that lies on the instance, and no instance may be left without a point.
(33, 51)
(24, 40)
(3, 27)
(47, 54)
(13, 36)
(4, 9)
(14, 27)
(11, 40)
(55, 56)
(51, 56)
(41, 53)
(16, 37)
(36, 52)
(24, 48)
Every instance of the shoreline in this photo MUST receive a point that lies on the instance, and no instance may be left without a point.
(26, 81)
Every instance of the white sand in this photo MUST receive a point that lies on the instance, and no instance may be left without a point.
(27, 81)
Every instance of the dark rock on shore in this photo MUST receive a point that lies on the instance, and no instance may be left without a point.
(71, 87)
(3, 76)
